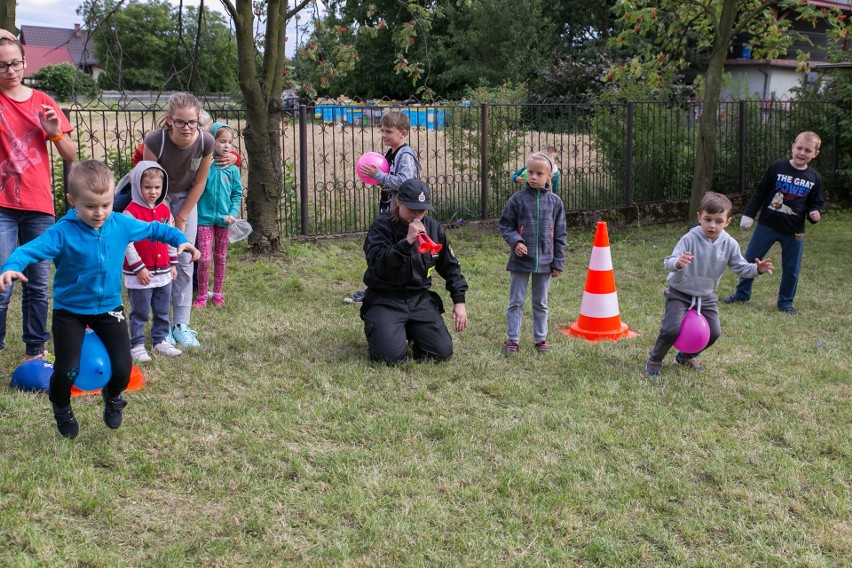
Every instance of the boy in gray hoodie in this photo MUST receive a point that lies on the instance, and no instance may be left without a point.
(149, 267)
(533, 224)
(695, 267)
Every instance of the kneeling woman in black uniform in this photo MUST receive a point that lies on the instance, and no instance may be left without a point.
(398, 306)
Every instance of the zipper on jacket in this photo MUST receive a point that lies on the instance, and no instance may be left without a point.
(537, 225)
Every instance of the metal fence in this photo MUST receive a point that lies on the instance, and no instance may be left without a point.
(609, 155)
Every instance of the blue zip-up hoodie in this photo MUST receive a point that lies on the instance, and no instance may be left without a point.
(535, 217)
(88, 261)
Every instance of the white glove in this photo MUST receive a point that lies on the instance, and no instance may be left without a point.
(746, 222)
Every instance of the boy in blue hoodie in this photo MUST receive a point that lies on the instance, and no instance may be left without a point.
(87, 247)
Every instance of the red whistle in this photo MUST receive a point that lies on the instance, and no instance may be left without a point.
(427, 245)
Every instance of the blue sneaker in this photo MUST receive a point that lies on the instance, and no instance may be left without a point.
(184, 337)
(653, 368)
(355, 298)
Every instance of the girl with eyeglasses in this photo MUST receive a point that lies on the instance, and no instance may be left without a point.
(29, 119)
(185, 151)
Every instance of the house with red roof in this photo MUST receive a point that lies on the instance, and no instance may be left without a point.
(765, 78)
(48, 46)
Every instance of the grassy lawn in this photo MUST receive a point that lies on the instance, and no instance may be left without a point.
(280, 444)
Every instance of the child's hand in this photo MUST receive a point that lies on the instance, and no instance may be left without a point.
(764, 266)
(520, 249)
(50, 121)
(554, 272)
(144, 277)
(815, 216)
(187, 247)
(173, 272)
(684, 260)
(520, 179)
(369, 170)
(7, 277)
(229, 219)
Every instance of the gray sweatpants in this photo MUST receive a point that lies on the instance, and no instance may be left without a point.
(677, 304)
(517, 296)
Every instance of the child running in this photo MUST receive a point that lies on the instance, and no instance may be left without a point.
(217, 209)
(789, 193)
(695, 267)
(149, 267)
(87, 246)
(533, 223)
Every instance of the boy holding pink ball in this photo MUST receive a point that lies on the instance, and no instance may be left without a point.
(403, 165)
(695, 267)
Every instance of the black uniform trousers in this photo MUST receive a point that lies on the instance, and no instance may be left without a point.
(391, 322)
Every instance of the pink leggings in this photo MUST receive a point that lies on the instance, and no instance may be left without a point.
(204, 240)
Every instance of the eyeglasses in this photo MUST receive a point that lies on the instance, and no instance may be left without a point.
(15, 65)
(184, 123)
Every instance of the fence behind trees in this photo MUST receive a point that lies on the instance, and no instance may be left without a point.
(609, 155)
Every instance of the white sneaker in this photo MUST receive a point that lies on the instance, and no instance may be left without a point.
(139, 354)
(166, 348)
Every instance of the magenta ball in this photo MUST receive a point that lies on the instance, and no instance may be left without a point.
(694, 333)
(371, 159)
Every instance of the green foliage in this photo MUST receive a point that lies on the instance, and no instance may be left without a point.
(663, 140)
(66, 81)
(505, 135)
(152, 45)
(279, 444)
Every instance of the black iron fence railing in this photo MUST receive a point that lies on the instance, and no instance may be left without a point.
(609, 155)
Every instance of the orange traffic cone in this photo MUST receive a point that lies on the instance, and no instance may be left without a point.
(137, 381)
(599, 317)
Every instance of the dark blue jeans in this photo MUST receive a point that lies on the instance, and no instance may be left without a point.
(792, 245)
(146, 301)
(20, 227)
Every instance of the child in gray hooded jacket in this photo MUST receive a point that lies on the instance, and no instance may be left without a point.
(695, 267)
(149, 267)
(533, 223)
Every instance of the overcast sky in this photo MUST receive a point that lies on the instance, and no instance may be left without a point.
(63, 14)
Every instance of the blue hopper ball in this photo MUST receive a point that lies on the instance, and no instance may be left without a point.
(95, 366)
(33, 375)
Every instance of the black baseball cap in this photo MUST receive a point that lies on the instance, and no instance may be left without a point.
(414, 194)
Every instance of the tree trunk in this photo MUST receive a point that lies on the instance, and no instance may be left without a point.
(7, 16)
(261, 87)
(705, 148)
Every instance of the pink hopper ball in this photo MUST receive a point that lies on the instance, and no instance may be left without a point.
(694, 333)
(371, 159)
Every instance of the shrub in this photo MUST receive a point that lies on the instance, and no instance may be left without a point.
(66, 81)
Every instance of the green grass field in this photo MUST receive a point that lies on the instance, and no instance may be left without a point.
(279, 443)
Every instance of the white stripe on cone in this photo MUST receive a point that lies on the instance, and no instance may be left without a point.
(599, 305)
(601, 259)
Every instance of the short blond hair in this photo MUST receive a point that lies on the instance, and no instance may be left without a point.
(92, 176)
(812, 136)
(153, 173)
(396, 119)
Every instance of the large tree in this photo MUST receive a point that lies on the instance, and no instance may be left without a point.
(262, 64)
(667, 37)
(7, 16)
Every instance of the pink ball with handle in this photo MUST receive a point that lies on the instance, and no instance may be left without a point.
(694, 333)
(371, 159)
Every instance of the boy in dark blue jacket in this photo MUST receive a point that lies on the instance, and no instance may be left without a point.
(87, 247)
(533, 223)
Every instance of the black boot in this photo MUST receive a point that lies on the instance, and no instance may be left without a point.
(113, 407)
(65, 421)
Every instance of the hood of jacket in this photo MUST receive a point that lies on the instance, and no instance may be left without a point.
(136, 182)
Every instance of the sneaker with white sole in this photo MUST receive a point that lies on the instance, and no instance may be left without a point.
(139, 354)
(184, 337)
(167, 349)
